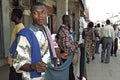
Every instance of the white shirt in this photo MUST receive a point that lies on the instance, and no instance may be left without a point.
(24, 52)
(107, 31)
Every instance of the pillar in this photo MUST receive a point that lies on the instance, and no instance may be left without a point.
(77, 16)
(62, 8)
(6, 25)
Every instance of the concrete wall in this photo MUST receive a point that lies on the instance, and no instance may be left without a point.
(61, 10)
(50, 3)
(77, 17)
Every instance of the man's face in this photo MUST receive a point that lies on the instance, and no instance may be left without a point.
(39, 16)
(13, 18)
(68, 21)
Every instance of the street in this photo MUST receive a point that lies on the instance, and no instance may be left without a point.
(101, 71)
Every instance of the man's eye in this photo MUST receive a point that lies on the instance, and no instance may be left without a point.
(35, 13)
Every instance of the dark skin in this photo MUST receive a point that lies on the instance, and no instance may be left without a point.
(15, 19)
(38, 15)
(66, 55)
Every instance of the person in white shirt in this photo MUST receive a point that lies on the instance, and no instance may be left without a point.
(31, 57)
(107, 37)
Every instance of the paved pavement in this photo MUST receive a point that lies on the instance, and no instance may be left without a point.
(4, 72)
(101, 71)
(95, 69)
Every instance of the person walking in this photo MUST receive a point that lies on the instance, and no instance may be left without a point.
(16, 16)
(107, 37)
(115, 43)
(98, 29)
(89, 36)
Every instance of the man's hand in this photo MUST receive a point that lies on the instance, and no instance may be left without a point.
(64, 56)
(39, 67)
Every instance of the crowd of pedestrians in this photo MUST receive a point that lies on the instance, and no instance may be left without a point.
(107, 35)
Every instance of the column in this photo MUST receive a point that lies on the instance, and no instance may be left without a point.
(77, 16)
(6, 25)
(62, 8)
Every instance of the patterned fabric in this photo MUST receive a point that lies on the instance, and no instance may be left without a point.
(35, 48)
(64, 40)
(24, 53)
(90, 41)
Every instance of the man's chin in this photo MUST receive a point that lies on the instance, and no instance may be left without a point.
(41, 24)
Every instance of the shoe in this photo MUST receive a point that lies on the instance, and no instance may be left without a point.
(111, 54)
(106, 62)
(102, 61)
(93, 57)
(88, 60)
(115, 55)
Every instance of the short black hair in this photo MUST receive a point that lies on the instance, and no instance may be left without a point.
(107, 21)
(17, 12)
(37, 4)
(98, 25)
(65, 17)
(90, 24)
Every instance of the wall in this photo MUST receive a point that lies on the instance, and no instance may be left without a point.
(6, 25)
(50, 3)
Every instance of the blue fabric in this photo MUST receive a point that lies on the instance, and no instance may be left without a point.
(35, 49)
(60, 72)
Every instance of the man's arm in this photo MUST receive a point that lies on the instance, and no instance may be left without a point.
(67, 44)
(22, 61)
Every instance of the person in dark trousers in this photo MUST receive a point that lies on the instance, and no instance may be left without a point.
(32, 48)
(107, 37)
(16, 16)
(66, 43)
(115, 43)
(98, 29)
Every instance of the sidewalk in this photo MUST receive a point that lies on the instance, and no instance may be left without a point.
(4, 72)
(95, 69)
(101, 71)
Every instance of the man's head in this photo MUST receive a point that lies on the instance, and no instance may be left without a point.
(90, 25)
(98, 25)
(38, 14)
(107, 21)
(16, 15)
(66, 19)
